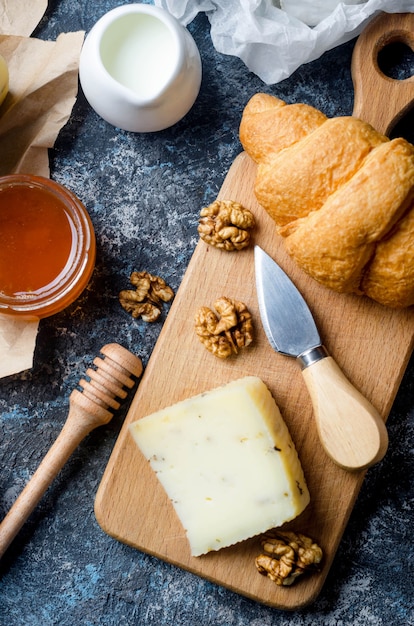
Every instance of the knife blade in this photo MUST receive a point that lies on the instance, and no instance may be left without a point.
(350, 429)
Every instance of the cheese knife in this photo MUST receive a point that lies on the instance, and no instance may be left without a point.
(350, 429)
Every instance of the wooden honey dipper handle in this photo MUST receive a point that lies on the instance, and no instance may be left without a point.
(88, 410)
(379, 100)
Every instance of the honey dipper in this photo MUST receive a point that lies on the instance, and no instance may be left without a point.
(89, 408)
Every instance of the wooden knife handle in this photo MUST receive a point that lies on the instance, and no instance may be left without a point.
(350, 428)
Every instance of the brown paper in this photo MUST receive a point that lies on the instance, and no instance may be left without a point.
(42, 91)
(17, 345)
(20, 17)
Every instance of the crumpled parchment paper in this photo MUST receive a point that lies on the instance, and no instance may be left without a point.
(42, 91)
(18, 18)
(272, 42)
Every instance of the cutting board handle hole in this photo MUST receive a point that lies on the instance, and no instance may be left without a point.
(396, 60)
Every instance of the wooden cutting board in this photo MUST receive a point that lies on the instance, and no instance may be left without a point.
(371, 344)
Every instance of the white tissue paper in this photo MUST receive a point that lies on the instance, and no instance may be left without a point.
(273, 38)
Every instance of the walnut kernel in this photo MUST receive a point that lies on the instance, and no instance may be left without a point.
(229, 331)
(287, 556)
(226, 224)
(146, 300)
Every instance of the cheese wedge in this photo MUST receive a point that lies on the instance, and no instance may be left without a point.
(227, 462)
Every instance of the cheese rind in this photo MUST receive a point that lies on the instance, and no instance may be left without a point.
(227, 462)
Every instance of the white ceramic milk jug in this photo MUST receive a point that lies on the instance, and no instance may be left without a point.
(139, 68)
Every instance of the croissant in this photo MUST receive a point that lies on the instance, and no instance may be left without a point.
(341, 195)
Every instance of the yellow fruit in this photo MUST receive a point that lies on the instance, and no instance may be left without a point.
(4, 79)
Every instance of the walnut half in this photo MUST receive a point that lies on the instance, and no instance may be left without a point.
(226, 224)
(224, 334)
(150, 292)
(287, 556)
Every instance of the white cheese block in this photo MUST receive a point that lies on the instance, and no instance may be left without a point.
(227, 462)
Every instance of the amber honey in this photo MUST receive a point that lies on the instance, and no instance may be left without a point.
(47, 246)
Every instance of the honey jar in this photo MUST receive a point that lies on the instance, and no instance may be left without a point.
(47, 246)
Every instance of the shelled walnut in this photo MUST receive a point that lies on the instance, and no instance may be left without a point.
(146, 301)
(225, 334)
(226, 224)
(287, 556)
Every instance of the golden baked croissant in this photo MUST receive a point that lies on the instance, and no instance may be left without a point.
(340, 193)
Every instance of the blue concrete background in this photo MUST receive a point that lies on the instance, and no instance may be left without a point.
(144, 193)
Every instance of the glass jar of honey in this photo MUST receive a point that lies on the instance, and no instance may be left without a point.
(47, 246)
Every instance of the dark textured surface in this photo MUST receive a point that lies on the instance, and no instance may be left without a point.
(144, 193)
